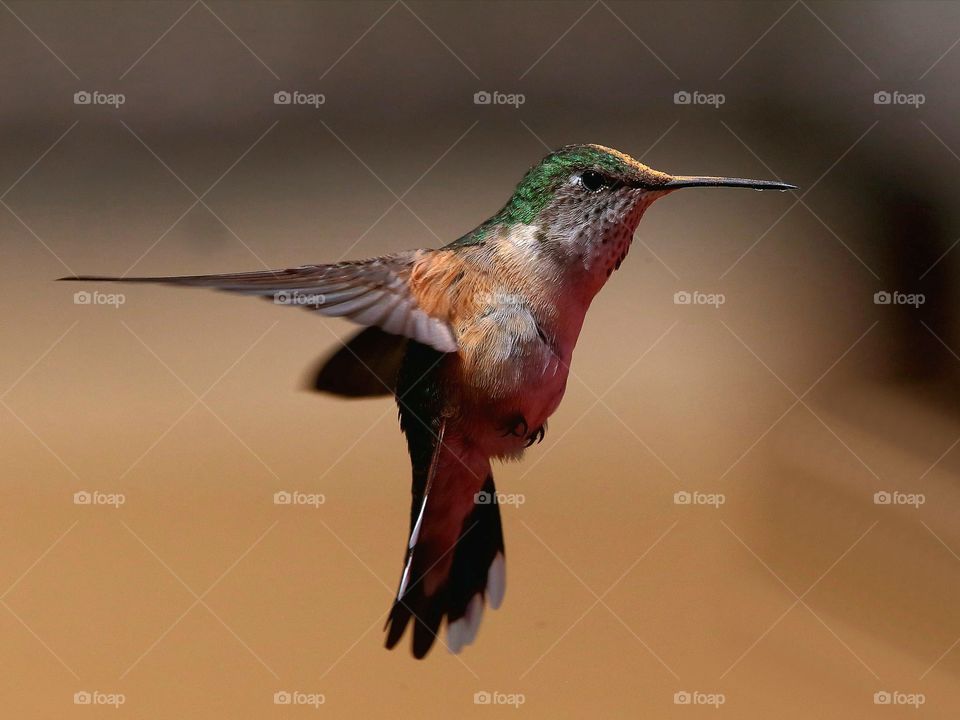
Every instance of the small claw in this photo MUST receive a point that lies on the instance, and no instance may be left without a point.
(536, 436)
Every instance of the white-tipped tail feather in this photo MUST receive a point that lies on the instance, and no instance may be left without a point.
(497, 581)
(463, 631)
(452, 570)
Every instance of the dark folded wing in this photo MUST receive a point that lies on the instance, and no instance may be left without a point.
(366, 365)
(372, 292)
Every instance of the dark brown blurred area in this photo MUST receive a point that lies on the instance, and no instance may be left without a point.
(810, 414)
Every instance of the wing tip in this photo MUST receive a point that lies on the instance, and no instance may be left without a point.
(442, 338)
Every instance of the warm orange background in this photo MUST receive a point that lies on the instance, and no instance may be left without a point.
(798, 598)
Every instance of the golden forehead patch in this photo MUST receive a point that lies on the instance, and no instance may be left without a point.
(623, 157)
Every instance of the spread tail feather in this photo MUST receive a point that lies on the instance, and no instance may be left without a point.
(453, 579)
(454, 560)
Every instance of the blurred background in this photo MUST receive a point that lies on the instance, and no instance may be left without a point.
(748, 504)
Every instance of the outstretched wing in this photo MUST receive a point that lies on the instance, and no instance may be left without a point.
(374, 292)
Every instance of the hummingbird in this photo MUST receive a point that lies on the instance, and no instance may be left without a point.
(474, 340)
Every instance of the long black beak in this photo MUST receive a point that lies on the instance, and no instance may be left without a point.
(689, 181)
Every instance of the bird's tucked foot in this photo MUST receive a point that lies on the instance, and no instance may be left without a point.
(516, 426)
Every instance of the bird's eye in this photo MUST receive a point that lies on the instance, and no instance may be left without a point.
(592, 181)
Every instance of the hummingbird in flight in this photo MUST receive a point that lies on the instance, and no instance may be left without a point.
(474, 340)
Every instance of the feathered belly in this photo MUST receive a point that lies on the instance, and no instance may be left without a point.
(514, 400)
(510, 376)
